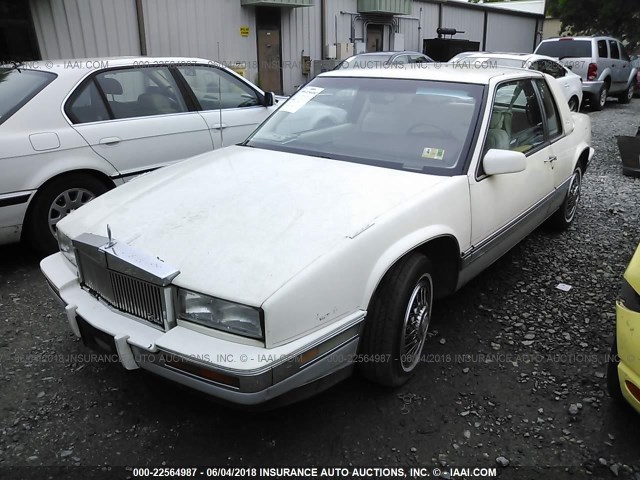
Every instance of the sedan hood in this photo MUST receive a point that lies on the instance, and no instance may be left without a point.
(241, 222)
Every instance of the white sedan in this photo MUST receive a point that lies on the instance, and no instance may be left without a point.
(276, 266)
(570, 82)
(73, 129)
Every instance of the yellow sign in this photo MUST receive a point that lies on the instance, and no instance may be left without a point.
(244, 31)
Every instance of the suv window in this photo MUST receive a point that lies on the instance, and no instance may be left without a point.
(214, 88)
(602, 49)
(623, 53)
(516, 118)
(565, 48)
(613, 47)
(140, 92)
(86, 105)
(17, 87)
(554, 127)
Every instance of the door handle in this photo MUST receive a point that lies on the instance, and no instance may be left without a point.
(219, 126)
(552, 158)
(109, 141)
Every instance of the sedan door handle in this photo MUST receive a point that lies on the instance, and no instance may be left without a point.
(219, 126)
(552, 158)
(110, 141)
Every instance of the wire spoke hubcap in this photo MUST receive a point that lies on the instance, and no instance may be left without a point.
(573, 197)
(67, 202)
(416, 323)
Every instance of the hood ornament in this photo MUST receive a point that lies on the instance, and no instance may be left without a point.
(111, 242)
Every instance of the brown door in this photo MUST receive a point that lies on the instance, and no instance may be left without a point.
(269, 62)
(375, 38)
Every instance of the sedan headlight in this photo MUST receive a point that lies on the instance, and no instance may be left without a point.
(220, 314)
(66, 247)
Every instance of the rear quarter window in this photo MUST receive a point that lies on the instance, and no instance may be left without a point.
(18, 87)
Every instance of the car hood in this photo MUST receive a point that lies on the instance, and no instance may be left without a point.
(241, 222)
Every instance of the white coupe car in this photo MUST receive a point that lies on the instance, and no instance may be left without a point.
(276, 266)
(570, 82)
(73, 129)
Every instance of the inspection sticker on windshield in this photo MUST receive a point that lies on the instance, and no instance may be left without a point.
(435, 153)
(300, 99)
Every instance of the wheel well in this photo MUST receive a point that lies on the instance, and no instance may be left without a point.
(92, 173)
(607, 80)
(583, 160)
(444, 254)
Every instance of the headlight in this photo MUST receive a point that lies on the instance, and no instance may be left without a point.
(220, 314)
(66, 247)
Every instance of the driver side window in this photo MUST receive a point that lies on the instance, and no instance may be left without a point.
(214, 88)
(516, 119)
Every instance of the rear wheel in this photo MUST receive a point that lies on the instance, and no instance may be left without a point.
(397, 322)
(627, 95)
(600, 100)
(574, 104)
(564, 217)
(53, 202)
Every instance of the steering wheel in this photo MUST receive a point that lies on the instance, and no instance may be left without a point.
(416, 130)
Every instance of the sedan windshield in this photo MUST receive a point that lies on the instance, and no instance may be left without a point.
(18, 86)
(414, 125)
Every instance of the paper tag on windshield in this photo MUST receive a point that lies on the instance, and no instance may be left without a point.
(434, 153)
(300, 99)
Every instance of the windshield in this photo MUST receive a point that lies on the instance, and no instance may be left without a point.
(414, 125)
(565, 48)
(365, 61)
(17, 87)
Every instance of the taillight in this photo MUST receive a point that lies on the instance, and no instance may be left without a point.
(592, 73)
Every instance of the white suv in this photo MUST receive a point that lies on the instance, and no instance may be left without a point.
(73, 129)
(602, 62)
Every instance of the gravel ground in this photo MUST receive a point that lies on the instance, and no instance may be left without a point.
(515, 377)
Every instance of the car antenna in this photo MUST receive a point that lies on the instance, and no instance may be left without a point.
(220, 101)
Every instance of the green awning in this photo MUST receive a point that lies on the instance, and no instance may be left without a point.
(391, 7)
(277, 3)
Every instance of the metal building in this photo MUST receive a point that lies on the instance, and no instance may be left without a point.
(275, 43)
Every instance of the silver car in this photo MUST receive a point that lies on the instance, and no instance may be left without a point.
(602, 62)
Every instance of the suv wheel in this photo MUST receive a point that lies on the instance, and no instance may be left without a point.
(600, 100)
(627, 95)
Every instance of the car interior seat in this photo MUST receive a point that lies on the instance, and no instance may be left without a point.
(156, 104)
(498, 137)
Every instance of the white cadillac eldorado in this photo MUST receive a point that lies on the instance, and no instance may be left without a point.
(319, 244)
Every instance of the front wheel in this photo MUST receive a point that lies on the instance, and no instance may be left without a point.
(53, 202)
(397, 322)
(627, 95)
(566, 214)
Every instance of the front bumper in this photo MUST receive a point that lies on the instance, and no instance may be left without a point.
(592, 87)
(236, 373)
(628, 339)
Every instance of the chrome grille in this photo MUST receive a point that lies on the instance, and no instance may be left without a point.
(124, 292)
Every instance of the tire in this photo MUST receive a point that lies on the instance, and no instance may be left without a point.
(566, 214)
(399, 313)
(626, 96)
(574, 104)
(613, 380)
(55, 201)
(599, 101)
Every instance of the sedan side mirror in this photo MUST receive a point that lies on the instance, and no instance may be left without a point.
(269, 99)
(499, 162)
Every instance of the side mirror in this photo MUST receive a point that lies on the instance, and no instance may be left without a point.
(269, 99)
(499, 162)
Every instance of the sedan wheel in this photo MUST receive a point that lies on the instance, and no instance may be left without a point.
(566, 214)
(54, 201)
(573, 104)
(67, 202)
(397, 322)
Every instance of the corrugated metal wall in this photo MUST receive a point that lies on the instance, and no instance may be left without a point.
(465, 19)
(201, 28)
(342, 20)
(82, 28)
(301, 35)
(510, 33)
